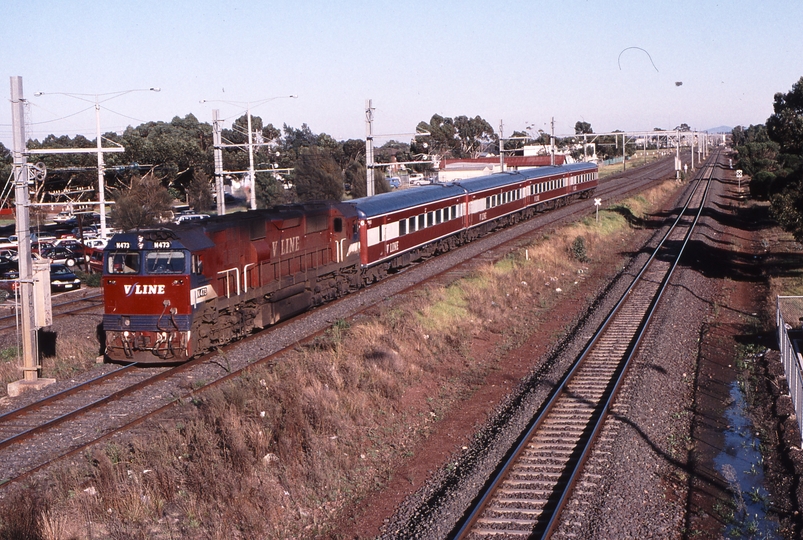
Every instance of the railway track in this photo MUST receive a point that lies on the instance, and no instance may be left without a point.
(66, 423)
(66, 304)
(526, 496)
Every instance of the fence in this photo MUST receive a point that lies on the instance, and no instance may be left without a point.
(789, 319)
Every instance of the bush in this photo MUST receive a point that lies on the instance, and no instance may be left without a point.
(761, 185)
(89, 279)
(578, 249)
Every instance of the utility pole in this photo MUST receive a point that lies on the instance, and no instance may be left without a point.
(552, 144)
(30, 352)
(217, 152)
(251, 173)
(218, 149)
(99, 144)
(369, 148)
(502, 145)
(624, 152)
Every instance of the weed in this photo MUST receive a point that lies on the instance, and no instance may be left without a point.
(729, 473)
(755, 495)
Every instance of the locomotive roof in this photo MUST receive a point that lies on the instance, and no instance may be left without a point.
(490, 181)
(406, 198)
(192, 238)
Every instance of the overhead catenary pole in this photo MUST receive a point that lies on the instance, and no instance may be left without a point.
(218, 147)
(624, 152)
(217, 152)
(101, 173)
(369, 148)
(30, 349)
(552, 144)
(502, 145)
(99, 143)
(251, 173)
(22, 202)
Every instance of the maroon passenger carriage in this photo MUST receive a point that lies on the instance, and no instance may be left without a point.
(178, 291)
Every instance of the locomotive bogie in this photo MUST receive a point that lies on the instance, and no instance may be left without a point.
(148, 346)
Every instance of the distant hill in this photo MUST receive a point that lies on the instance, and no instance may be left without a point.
(720, 129)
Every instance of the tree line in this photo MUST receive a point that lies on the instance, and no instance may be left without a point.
(165, 161)
(772, 155)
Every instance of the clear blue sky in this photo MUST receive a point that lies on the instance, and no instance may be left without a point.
(523, 62)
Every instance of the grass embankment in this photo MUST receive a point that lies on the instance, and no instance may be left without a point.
(66, 354)
(281, 451)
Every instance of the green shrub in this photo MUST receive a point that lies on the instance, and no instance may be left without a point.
(578, 249)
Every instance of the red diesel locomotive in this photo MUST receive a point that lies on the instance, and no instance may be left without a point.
(178, 291)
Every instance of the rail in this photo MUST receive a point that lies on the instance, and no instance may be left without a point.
(789, 319)
(538, 511)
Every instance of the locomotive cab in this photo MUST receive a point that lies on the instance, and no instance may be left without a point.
(149, 280)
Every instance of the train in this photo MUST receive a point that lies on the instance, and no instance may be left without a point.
(180, 290)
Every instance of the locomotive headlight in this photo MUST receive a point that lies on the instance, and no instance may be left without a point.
(126, 334)
(126, 321)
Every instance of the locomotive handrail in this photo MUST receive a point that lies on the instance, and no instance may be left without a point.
(245, 276)
(237, 280)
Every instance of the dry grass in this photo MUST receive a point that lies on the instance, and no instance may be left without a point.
(73, 354)
(282, 450)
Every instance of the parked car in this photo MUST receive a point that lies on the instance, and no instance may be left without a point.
(64, 217)
(94, 258)
(70, 243)
(43, 237)
(38, 247)
(61, 255)
(395, 182)
(95, 243)
(90, 231)
(8, 254)
(183, 218)
(63, 279)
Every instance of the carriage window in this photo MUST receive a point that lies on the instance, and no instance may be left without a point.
(122, 262)
(164, 262)
(421, 224)
(402, 227)
(412, 224)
